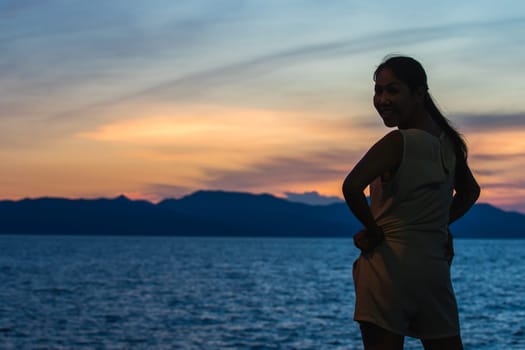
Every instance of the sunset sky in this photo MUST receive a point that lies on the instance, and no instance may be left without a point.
(157, 99)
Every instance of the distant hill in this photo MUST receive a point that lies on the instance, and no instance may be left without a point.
(218, 213)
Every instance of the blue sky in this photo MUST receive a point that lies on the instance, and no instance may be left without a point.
(157, 99)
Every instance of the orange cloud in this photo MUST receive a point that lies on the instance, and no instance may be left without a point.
(157, 151)
(224, 138)
(497, 158)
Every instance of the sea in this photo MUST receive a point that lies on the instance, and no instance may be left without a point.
(123, 292)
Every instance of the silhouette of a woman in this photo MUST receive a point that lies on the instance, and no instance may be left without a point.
(420, 182)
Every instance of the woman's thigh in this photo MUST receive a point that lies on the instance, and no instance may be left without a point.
(452, 343)
(377, 338)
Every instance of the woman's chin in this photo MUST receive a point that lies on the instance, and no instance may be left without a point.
(389, 123)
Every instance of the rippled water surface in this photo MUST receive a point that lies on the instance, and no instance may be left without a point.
(226, 293)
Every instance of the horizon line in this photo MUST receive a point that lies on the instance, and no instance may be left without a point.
(124, 196)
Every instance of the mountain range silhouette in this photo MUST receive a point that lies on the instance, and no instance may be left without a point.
(219, 213)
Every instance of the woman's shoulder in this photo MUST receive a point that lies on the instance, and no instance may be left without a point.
(393, 138)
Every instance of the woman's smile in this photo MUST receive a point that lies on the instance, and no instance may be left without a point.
(393, 99)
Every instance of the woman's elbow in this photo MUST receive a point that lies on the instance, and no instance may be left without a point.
(350, 188)
(476, 191)
(470, 194)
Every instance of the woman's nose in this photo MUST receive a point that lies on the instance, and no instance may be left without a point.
(382, 99)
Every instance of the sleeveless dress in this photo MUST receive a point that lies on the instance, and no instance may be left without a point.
(404, 284)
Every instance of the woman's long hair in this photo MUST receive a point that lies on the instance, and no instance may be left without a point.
(411, 72)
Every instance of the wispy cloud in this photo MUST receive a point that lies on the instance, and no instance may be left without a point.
(491, 122)
(507, 157)
(281, 173)
(198, 84)
(10, 8)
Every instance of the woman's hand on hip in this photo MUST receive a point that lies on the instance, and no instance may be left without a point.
(366, 240)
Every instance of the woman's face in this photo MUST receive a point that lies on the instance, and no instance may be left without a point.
(393, 100)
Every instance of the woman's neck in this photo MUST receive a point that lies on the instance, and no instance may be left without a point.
(422, 121)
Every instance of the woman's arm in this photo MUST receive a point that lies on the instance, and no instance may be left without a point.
(384, 156)
(467, 191)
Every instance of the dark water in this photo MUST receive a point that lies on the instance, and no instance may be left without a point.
(225, 293)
